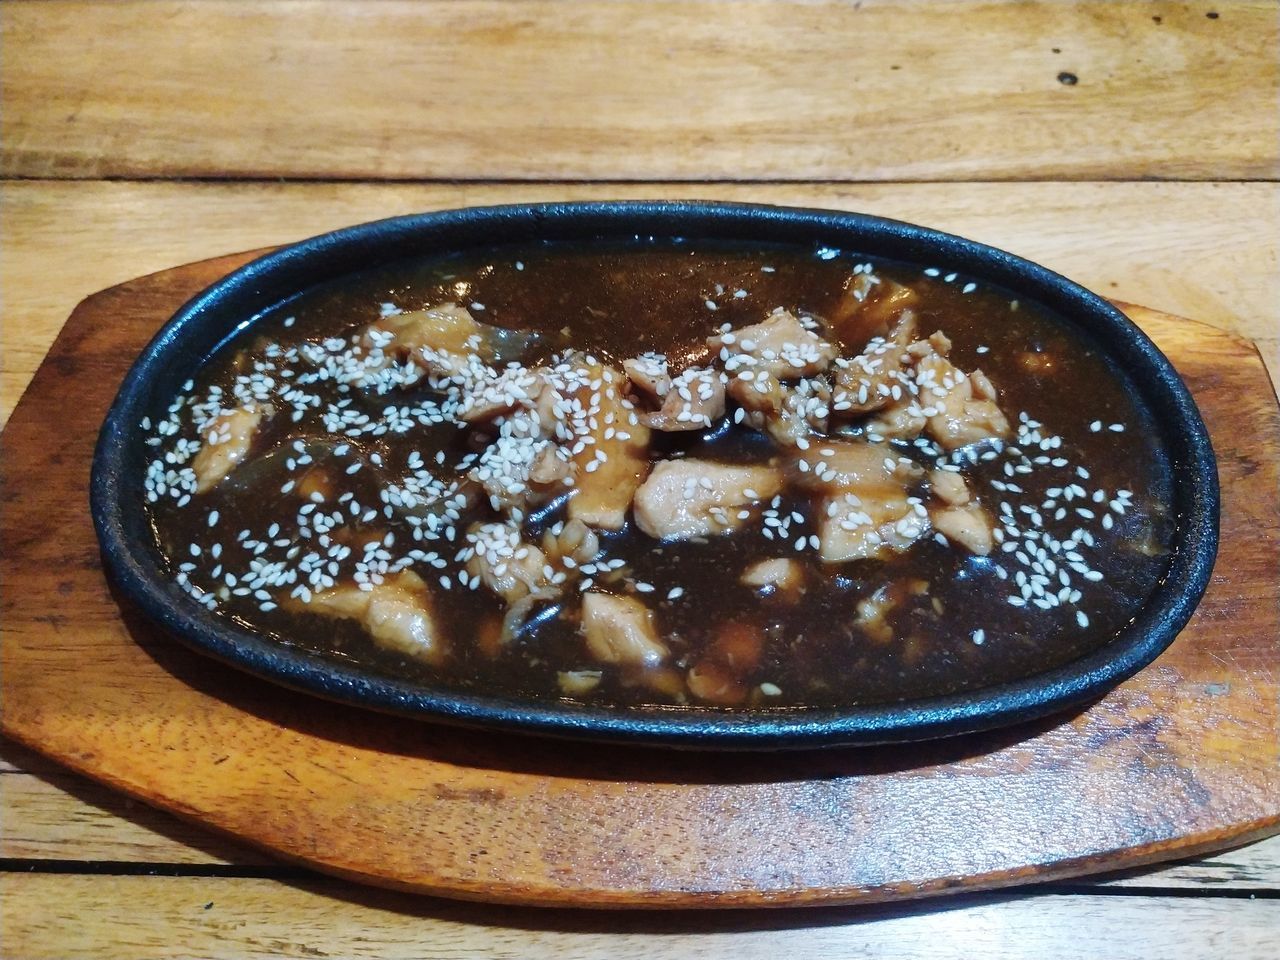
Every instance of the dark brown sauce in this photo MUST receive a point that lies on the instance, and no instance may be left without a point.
(619, 300)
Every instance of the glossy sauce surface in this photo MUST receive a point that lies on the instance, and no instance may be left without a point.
(951, 626)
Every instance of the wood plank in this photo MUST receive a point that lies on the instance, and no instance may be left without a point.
(54, 814)
(878, 90)
(1198, 249)
(1182, 755)
(143, 917)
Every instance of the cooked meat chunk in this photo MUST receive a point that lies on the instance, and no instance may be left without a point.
(968, 525)
(738, 645)
(844, 466)
(852, 529)
(610, 467)
(648, 375)
(869, 305)
(694, 401)
(878, 376)
(504, 391)
(780, 573)
(1037, 363)
(949, 487)
(549, 467)
(902, 420)
(780, 345)
(621, 630)
(446, 339)
(697, 498)
(868, 510)
(516, 470)
(874, 610)
(572, 539)
(396, 613)
(523, 464)
(964, 405)
(786, 413)
(715, 683)
(227, 438)
(577, 682)
(506, 564)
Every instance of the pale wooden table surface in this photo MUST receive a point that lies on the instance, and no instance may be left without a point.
(137, 136)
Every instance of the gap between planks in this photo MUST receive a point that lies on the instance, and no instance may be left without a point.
(58, 916)
(1200, 250)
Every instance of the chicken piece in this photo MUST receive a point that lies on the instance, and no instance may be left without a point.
(446, 328)
(446, 339)
(396, 613)
(648, 374)
(902, 420)
(697, 498)
(572, 539)
(694, 401)
(868, 510)
(733, 654)
(949, 487)
(227, 438)
(610, 467)
(779, 345)
(968, 525)
(738, 645)
(853, 529)
(715, 683)
(504, 391)
(786, 413)
(550, 466)
(574, 683)
(938, 342)
(523, 464)
(878, 376)
(844, 466)
(621, 630)
(1037, 363)
(781, 574)
(963, 406)
(869, 305)
(874, 610)
(517, 470)
(506, 564)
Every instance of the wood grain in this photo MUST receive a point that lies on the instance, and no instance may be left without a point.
(50, 814)
(876, 90)
(1177, 761)
(57, 917)
(1206, 250)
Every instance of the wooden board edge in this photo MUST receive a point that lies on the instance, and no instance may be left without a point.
(1108, 861)
(1132, 857)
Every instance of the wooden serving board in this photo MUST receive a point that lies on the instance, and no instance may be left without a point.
(1182, 759)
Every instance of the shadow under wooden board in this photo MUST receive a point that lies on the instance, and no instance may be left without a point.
(1182, 759)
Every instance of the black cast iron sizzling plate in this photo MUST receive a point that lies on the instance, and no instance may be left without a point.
(208, 319)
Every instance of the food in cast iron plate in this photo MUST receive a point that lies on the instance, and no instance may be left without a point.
(665, 472)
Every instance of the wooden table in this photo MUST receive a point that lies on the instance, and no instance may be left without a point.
(1133, 146)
